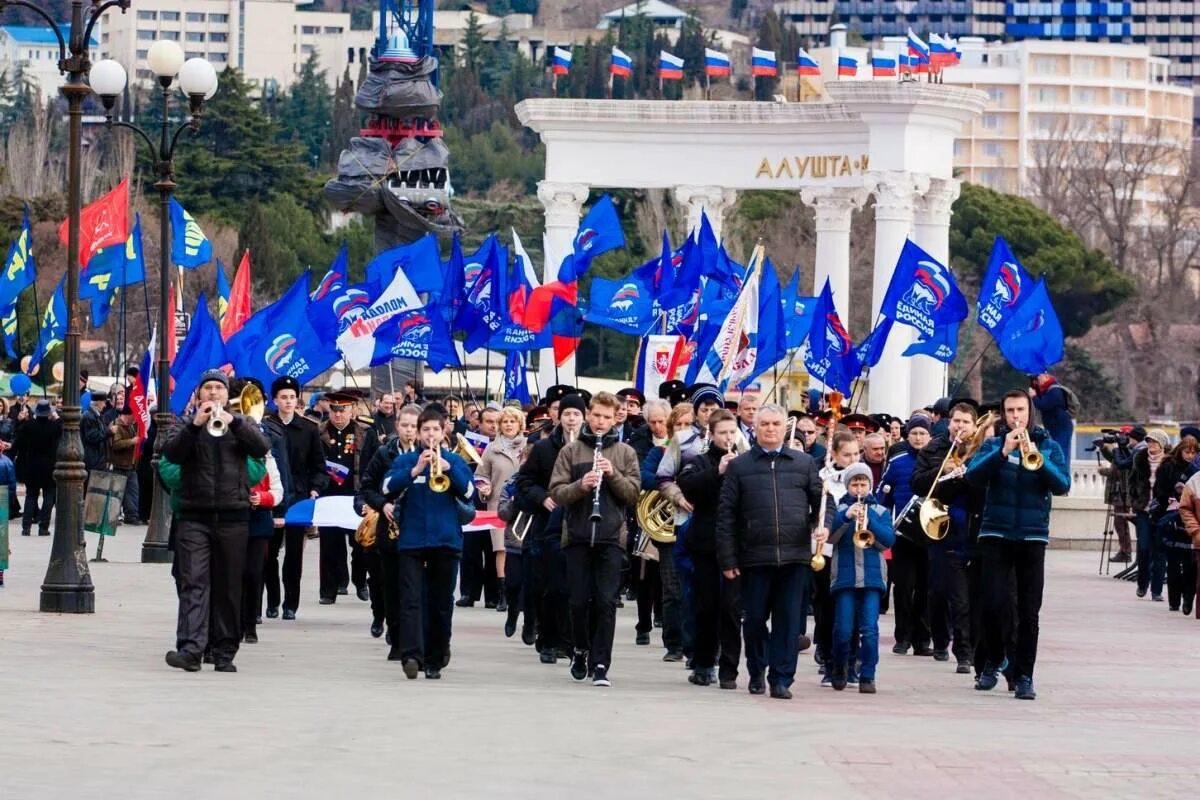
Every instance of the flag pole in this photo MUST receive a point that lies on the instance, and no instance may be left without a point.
(37, 343)
(756, 258)
(536, 385)
(786, 369)
(959, 383)
(487, 375)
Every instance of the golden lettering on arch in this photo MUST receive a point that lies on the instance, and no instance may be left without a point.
(819, 166)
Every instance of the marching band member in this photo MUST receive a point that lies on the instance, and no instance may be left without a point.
(645, 586)
(858, 577)
(949, 559)
(845, 454)
(910, 561)
(1020, 468)
(533, 496)
(765, 533)
(717, 609)
(212, 524)
(422, 561)
(595, 481)
(344, 440)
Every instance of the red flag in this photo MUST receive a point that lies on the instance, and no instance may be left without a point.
(239, 300)
(103, 223)
(140, 407)
(170, 332)
(538, 308)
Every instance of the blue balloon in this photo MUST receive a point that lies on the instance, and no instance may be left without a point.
(20, 384)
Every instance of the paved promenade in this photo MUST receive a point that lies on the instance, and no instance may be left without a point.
(89, 709)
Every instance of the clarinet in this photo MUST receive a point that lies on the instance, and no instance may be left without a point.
(596, 496)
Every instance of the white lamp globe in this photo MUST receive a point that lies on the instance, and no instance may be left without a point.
(107, 78)
(197, 76)
(165, 58)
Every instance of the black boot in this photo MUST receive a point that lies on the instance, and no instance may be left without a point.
(510, 624)
(502, 605)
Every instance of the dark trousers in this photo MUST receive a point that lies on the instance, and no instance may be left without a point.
(649, 592)
(1181, 574)
(1151, 560)
(424, 581)
(47, 492)
(1003, 562)
(856, 611)
(729, 632)
(706, 605)
(252, 582)
(949, 601)
(373, 564)
(129, 502)
(291, 540)
(334, 574)
(553, 627)
(822, 610)
(1121, 518)
(478, 577)
(211, 558)
(672, 598)
(910, 577)
(775, 593)
(593, 580)
(518, 585)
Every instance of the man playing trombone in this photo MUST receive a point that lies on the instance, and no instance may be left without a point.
(1019, 469)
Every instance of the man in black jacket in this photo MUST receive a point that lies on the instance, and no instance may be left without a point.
(95, 434)
(716, 606)
(765, 534)
(533, 496)
(306, 461)
(36, 448)
(213, 524)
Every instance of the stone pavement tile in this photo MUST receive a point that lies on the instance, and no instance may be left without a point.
(316, 711)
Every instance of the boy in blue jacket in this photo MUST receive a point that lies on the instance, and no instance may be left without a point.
(427, 548)
(858, 577)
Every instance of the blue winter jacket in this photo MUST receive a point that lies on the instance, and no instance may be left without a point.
(650, 467)
(1017, 500)
(428, 519)
(896, 483)
(1052, 405)
(850, 567)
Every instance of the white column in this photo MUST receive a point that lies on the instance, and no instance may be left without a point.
(713, 200)
(563, 203)
(895, 199)
(833, 209)
(932, 233)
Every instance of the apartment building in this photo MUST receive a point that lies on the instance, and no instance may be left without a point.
(34, 51)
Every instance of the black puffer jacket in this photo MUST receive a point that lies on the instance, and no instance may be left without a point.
(370, 488)
(700, 481)
(767, 506)
(533, 483)
(214, 478)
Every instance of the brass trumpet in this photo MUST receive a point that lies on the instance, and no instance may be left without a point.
(1031, 457)
(863, 538)
(438, 481)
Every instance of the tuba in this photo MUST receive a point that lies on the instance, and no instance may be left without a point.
(656, 516)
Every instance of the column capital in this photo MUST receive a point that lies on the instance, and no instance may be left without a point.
(563, 202)
(896, 192)
(934, 206)
(715, 198)
(833, 205)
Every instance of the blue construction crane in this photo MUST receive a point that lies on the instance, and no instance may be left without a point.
(413, 19)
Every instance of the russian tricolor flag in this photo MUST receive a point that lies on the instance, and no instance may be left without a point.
(560, 64)
(762, 63)
(806, 64)
(716, 63)
(670, 68)
(621, 64)
(847, 67)
(883, 66)
(941, 51)
(917, 47)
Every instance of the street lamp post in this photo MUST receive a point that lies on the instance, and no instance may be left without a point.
(68, 584)
(198, 80)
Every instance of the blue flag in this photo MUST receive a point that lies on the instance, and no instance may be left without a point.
(331, 314)
(599, 232)
(479, 316)
(223, 292)
(799, 320)
(625, 304)
(830, 356)
(870, 350)
(1032, 339)
(202, 349)
(420, 261)
(772, 327)
(420, 334)
(454, 283)
(190, 248)
(335, 276)
(134, 269)
(516, 383)
(280, 340)
(715, 305)
(53, 329)
(20, 269)
(943, 345)
(923, 292)
(1003, 288)
(9, 323)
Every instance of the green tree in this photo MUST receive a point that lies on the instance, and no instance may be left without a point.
(284, 239)
(770, 37)
(305, 114)
(345, 121)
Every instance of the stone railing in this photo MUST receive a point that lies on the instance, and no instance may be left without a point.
(1086, 481)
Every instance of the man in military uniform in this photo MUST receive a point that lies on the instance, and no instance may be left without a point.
(306, 463)
(344, 439)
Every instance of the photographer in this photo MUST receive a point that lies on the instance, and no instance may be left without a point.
(1117, 447)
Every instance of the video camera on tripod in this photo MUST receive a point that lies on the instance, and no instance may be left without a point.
(1109, 436)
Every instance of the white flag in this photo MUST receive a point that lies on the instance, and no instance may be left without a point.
(735, 350)
(357, 341)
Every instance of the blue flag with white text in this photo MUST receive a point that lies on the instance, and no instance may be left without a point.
(870, 350)
(923, 292)
(420, 334)
(20, 269)
(830, 356)
(599, 231)
(1004, 286)
(280, 340)
(335, 277)
(419, 260)
(516, 382)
